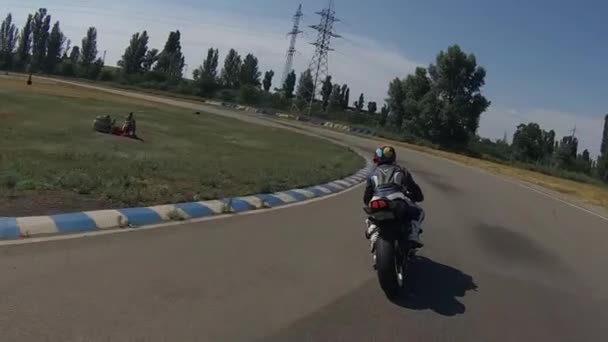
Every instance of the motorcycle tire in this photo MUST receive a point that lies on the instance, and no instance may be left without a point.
(386, 267)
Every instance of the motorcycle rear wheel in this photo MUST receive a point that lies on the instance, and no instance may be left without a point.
(388, 267)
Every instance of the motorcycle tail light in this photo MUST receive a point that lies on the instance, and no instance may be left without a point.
(379, 204)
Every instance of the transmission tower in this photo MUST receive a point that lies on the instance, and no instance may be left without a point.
(295, 31)
(319, 67)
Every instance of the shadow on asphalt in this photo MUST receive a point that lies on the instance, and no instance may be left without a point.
(437, 287)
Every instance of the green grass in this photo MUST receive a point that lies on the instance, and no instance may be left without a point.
(52, 161)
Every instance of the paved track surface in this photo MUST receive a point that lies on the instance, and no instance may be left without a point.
(502, 263)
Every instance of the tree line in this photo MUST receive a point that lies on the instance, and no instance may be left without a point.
(442, 105)
(237, 76)
(533, 145)
(38, 47)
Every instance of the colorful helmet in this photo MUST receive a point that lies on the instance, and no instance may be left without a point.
(385, 155)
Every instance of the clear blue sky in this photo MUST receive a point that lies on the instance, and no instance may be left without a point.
(545, 60)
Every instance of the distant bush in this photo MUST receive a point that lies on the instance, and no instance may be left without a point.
(149, 85)
(67, 68)
(186, 88)
(226, 95)
(485, 147)
(106, 76)
(155, 76)
(250, 95)
(133, 79)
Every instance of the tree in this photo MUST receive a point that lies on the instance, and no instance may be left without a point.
(346, 98)
(383, 115)
(583, 163)
(602, 162)
(133, 59)
(40, 38)
(89, 49)
(456, 81)
(289, 85)
(604, 147)
(206, 75)
(211, 63)
(372, 107)
(567, 153)
(384, 110)
(69, 62)
(335, 100)
(250, 94)
(498, 149)
(396, 101)
(528, 143)
(55, 48)
(150, 59)
(232, 69)
(67, 68)
(95, 69)
(602, 168)
(306, 86)
(171, 61)
(326, 91)
(360, 103)
(250, 73)
(8, 41)
(25, 44)
(415, 87)
(75, 55)
(66, 49)
(548, 143)
(268, 80)
(586, 156)
(343, 100)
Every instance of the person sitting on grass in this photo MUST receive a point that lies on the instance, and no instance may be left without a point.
(129, 126)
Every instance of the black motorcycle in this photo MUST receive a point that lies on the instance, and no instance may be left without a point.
(393, 252)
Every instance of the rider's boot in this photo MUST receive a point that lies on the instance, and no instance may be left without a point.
(414, 238)
(371, 233)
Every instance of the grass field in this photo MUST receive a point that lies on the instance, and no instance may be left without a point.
(51, 160)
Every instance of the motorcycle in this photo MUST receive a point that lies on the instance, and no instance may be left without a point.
(393, 252)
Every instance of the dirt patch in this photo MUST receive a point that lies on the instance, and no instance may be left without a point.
(6, 115)
(50, 203)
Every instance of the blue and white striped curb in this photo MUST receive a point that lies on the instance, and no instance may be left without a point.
(316, 121)
(328, 124)
(90, 221)
(346, 128)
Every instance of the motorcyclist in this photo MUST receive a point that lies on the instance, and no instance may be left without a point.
(393, 182)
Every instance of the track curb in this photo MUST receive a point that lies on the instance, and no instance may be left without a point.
(12, 228)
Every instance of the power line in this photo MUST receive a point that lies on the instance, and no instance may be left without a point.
(295, 31)
(319, 65)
